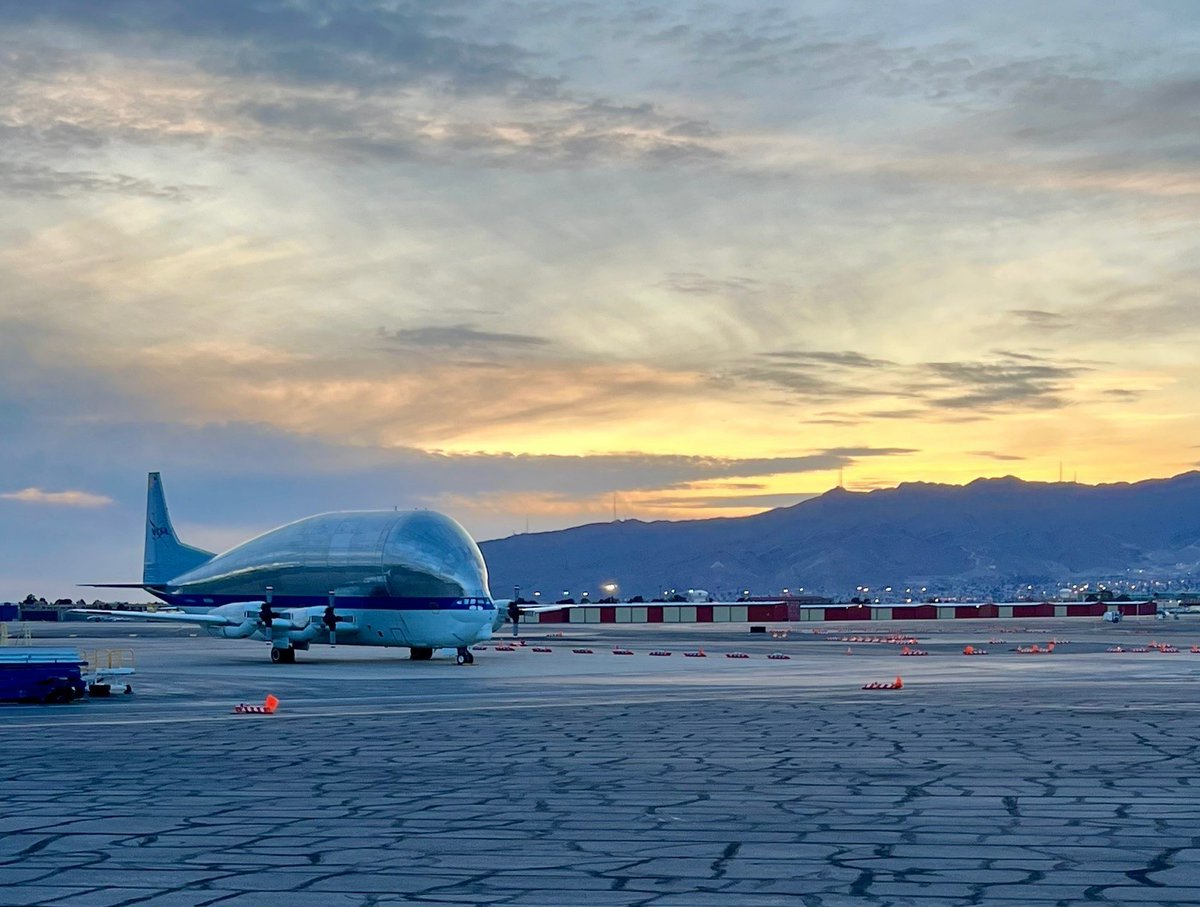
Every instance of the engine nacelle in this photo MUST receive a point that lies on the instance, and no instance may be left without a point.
(246, 615)
(244, 630)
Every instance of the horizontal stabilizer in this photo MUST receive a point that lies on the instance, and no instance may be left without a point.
(120, 585)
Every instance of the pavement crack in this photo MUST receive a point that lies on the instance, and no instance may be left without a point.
(720, 865)
(1161, 861)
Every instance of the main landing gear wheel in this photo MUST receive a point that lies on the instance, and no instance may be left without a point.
(420, 653)
(464, 656)
(283, 656)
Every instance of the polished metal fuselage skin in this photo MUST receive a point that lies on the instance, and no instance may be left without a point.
(397, 578)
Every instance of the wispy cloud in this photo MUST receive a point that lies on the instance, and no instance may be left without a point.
(993, 455)
(57, 498)
(989, 385)
(37, 179)
(457, 336)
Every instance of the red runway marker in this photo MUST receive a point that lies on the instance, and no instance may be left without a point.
(897, 684)
(270, 704)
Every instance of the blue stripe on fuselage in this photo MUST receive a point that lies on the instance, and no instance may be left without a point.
(364, 603)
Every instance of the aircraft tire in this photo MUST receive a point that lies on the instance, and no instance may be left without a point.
(420, 653)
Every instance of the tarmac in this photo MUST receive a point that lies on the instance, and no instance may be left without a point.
(556, 778)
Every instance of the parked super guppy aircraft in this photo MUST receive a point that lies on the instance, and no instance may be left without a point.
(411, 579)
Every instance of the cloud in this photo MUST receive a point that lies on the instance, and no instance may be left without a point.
(912, 413)
(363, 81)
(1042, 321)
(990, 385)
(696, 284)
(1006, 381)
(847, 358)
(993, 455)
(58, 498)
(458, 336)
(801, 382)
(36, 179)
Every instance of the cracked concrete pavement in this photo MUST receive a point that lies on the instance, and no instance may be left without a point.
(557, 779)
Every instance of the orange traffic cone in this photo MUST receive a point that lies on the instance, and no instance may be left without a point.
(969, 650)
(898, 685)
(271, 703)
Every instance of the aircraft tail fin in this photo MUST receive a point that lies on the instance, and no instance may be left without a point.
(166, 556)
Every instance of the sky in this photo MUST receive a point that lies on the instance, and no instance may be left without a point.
(529, 263)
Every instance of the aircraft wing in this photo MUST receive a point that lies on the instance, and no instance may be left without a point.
(541, 609)
(212, 620)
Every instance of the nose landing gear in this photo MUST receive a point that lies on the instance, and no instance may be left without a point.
(464, 656)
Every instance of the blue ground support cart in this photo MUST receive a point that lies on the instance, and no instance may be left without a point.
(40, 675)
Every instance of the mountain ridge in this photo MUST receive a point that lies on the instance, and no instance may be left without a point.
(997, 530)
